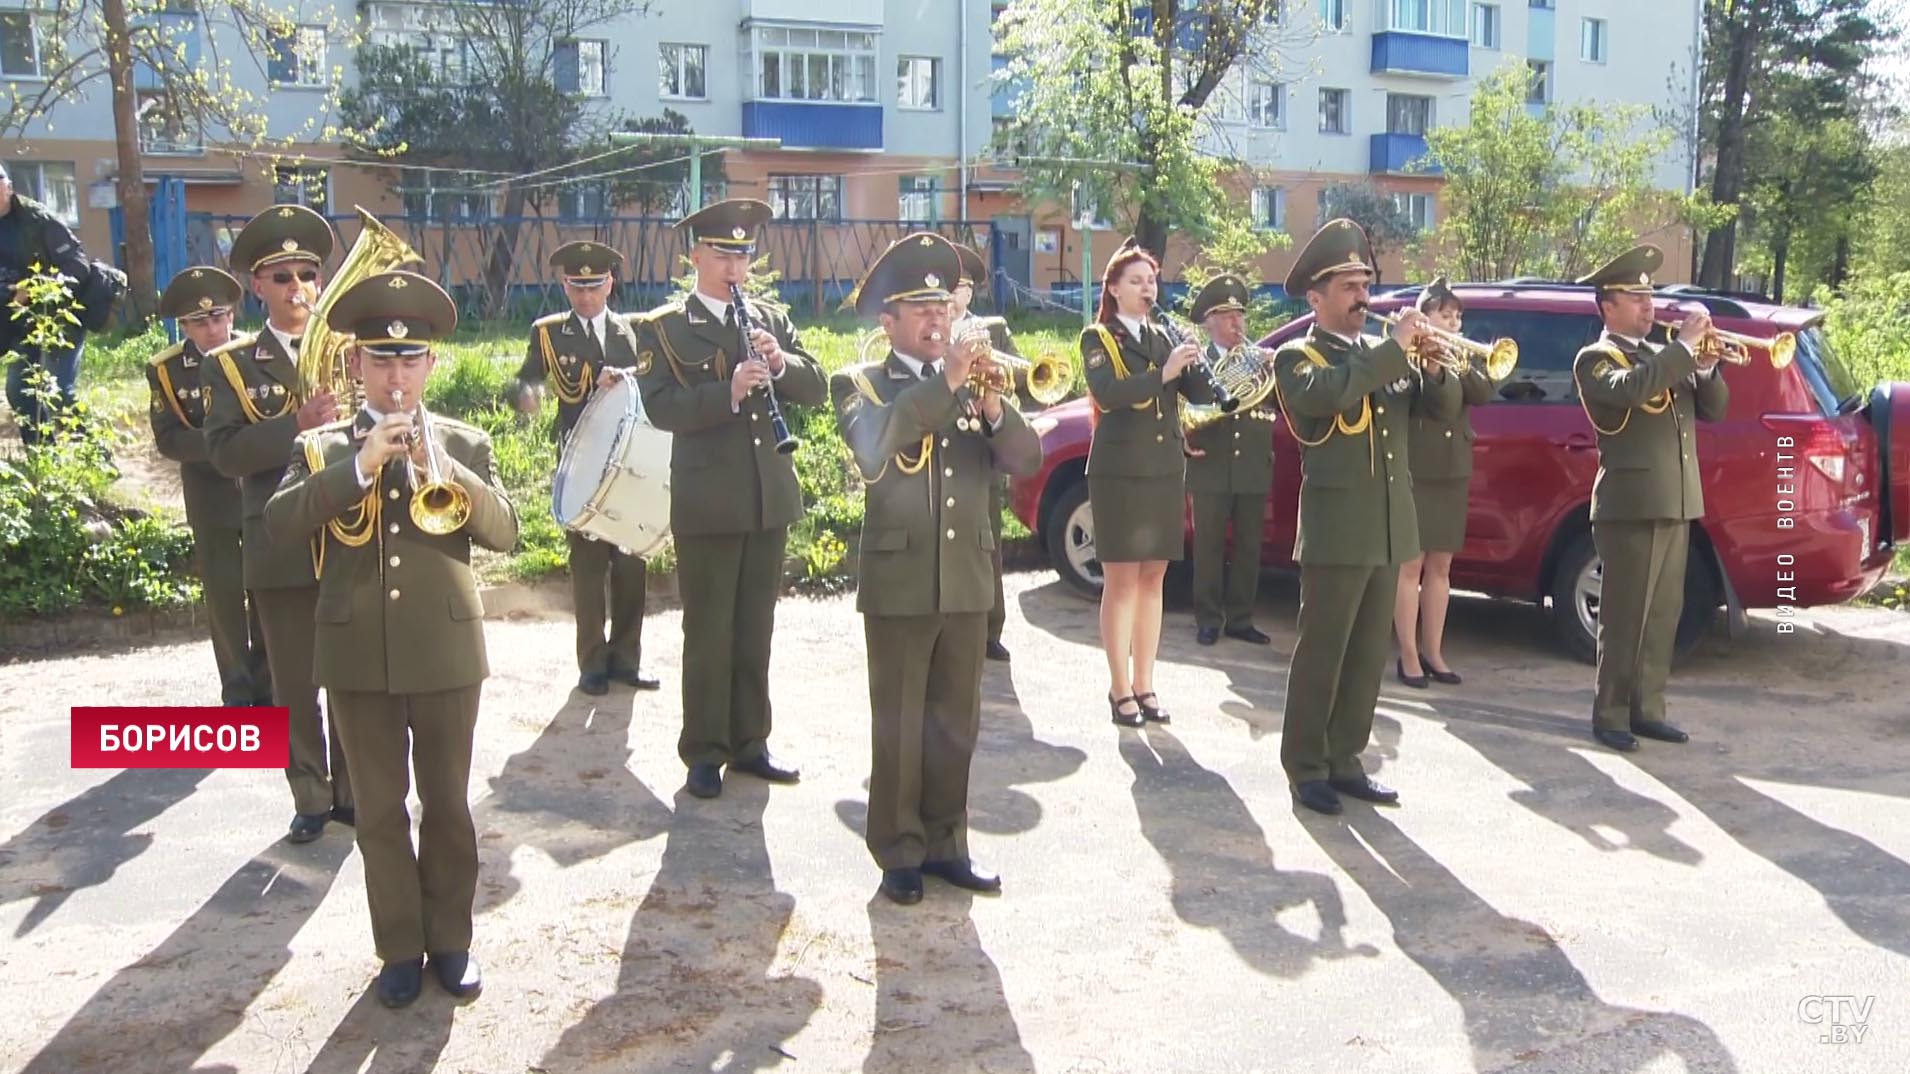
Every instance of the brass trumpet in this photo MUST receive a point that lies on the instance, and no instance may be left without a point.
(1736, 347)
(1452, 351)
(1046, 378)
(438, 506)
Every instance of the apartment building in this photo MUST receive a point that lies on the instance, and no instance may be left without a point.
(877, 109)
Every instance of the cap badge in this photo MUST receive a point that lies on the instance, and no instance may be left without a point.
(205, 302)
(398, 329)
(931, 280)
(285, 211)
(289, 245)
(196, 273)
(927, 241)
(738, 232)
(397, 283)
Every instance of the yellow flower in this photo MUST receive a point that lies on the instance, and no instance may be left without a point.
(117, 610)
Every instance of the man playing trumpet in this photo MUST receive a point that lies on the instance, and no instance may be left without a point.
(1645, 402)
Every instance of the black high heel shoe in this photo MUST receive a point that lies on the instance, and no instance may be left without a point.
(1152, 711)
(1125, 719)
(1417, 682)
(1450, 678)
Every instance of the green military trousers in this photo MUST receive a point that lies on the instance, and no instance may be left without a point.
(238, 639)
(1640, 600)
(319, 776)
(1346, 618)
(598, 571)
(997, 615)
(1224, 590)
(925, 690)
(728, 584)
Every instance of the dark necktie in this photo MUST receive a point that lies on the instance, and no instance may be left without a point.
(295, 341)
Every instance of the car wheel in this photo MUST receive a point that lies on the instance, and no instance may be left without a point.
(1578, 583)
(1070, 539)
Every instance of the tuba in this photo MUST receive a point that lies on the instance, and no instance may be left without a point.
(1246, 372)
(321, 357)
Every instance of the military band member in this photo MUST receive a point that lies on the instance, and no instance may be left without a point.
(400, 638)
(928, 450)
(1441, 458)
(202, 299)
(1645, 402)
(1230, 474)
(975, 275)
(573, 352)
(732, 495)
(1136, 473)
(1347, 399)
(257, 409)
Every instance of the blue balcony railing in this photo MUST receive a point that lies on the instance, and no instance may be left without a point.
(1424, 55)
(815, 124)
(1393, 153)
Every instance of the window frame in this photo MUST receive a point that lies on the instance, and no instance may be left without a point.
(1345, 12)
(680, 70)
(603, 66)
(18, 170)
(929, 195)
(935, 83)
(854, 65)
(1345, 110)
(38, 74)
(1541, 82)
(299, 171)
(1278, 97)
(1411, 101)
(1274, 197)
(1594, 32)
(298, 55)
(782, 186)
(1497, 23)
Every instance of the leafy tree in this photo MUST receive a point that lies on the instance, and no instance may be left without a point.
(167, 68)
(655, 178)
(1805, 200)
(1388, 226)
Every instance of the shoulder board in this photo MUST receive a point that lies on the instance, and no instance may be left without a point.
(1606, 349)
(656, 314)
(238, 342)
(453, 423)
(550, 318)
(1372, 341)
(169, 353)
(339, 425)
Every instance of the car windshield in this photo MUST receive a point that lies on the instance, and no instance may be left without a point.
(1835, 385)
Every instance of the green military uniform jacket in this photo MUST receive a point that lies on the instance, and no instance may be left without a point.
(1239, 451)
(563, 354)
(1350, 410)
(1645, 402)
(927, 544)
(1441, 447)
(178, 420)
(725, 474)
(251, 422)
(1137, 433)
(398, 612)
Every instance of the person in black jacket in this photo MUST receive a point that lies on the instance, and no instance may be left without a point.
(30, 234)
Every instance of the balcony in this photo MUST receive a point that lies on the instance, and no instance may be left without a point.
(815, 124)
(1393, 153)
(1421, 55)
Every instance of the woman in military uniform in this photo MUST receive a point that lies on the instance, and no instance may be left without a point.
(1439, 450)
(1136, 472)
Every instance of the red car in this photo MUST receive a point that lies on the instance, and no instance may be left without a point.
(1806, 488)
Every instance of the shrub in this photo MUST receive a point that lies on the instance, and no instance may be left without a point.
(1869, 324)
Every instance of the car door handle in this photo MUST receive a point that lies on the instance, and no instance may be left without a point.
(1576, 442)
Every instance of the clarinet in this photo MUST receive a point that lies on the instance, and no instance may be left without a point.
(1228, 404)
(785, 443)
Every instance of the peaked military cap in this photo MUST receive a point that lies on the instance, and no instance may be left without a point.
(974, 269)
(915, 268)
(1437, 294)
(1629, 271)
(394, 314)
(282, 233)
(585, 263)
(200, 291)
(1225, 293)
(1339, 246)
(730, 226)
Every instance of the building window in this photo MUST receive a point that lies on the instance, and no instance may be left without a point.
(52, 184)
(920, 201)
(1266, 103)
(1591, 40)
(918, 82)
(1539, 90)
(296, 57)
(163, 128)
(449, 196)
(1418, 208)
(1446, 18)
(1546, 4)
(1333, 111)
(1333, 15)
(795, 64)
(680, 71)
(1407, 114)
(19, 45)
(583, 201)
(303, 185)
(430, 31)
(806, 197)
(579, 67)
(1485, 25)
(1270, 208)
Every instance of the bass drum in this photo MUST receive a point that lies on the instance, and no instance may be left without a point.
(613, 483)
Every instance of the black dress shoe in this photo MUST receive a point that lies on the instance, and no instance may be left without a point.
(997, 651)
(306, 827)
(1417, 682)
(1450, 678)
(1365, 789)
(767, 767)
(964, 873)
(593, 684)
(1250, 635)
(458, 972)
(1207, 635)
(1622, 741)
(902, 886)
(1659, 730)
(400, 982)
(705, 780)
(1151, 709)
(1317, 796)
(345, 815)
(637, 679)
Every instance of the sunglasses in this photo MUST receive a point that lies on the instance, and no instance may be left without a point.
(304, 276)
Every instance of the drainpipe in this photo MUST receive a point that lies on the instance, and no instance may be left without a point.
(961, 108)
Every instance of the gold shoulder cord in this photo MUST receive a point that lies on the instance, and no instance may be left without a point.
(1345, 428)
(902, 463)
(1120, 370)
(1655, 405)
(568, 392)
(252, 413)
(165, 387)
(353, 532)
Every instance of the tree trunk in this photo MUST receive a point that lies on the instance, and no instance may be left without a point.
(1780, 254)
(1840, 263)
(497, 270)
(142, 288)
(1151, 232)
(1727, 177)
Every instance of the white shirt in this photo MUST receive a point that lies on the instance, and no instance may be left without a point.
(1134, 324)
(285, 339)
(596, 326)
(1350, 341)
(717, 307)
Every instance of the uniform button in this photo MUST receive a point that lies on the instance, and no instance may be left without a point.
(1449, 434)
(1379, 409)
(394, 527)
(1389, 477)
(1236, 453)
(393, 494)
(1159, 439)
(944, 441)
(394, 561)
(394, 594)
(948, 471)
(1389, 456)
(755, 417)
(1236, 434)
(951, 501)
(951, 535)
(1158, 416)
(1386, 432)
(758, 441)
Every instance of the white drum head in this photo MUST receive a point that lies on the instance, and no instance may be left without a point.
(613, 482)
